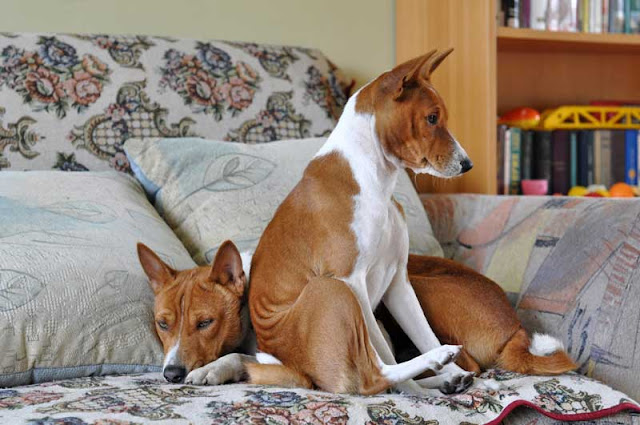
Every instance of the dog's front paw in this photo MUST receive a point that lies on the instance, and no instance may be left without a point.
(224, 369)
(443, 355)
(210, 374)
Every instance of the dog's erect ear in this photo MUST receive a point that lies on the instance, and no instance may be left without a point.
(436, 61)
(227, 270)
(157, 271)
(408, 72)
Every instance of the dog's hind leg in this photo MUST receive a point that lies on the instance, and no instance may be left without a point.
(332, 348)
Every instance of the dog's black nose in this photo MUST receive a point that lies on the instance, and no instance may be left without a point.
(174, 374)
(466, 165)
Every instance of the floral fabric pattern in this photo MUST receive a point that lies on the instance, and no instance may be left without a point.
(149, 398)
(85, 94)
(54, 76)
(209, 81)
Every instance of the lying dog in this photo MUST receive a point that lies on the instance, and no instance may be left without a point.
(201, 317)
(338, 246)
(203, 322)
(484, 322)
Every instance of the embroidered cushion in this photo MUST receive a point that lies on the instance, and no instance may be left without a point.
(210, 191)
(73, 299)
(69, 101)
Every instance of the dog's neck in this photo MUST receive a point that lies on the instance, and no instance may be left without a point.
(355, 138)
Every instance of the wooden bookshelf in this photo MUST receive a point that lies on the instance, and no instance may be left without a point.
(494, 69)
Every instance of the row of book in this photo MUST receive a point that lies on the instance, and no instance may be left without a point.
(597, 16)
(566, 158)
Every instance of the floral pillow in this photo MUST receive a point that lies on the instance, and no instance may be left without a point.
(69, 101)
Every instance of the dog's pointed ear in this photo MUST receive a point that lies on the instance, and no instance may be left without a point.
(157, 271)
(407, 72)
(227, 270)
(436, 61)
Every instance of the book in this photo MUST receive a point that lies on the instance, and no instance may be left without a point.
(631, 157)
(560, 162)
(506, 163)
(573, 158)
(634, 16)
(627, 17)
(502, 129)
(605, 16)
(617, 156)
(561, 15)
(584, 15)
(616, 16)
(597, 153)
(526, 155)
(606, 176)
(537, 14)
(511, 11)
(542, 156)
(525, 10)
(595, 16)
(585, 158)
(514, 174)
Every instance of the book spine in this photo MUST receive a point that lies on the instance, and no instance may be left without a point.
(514, 178)
(617, 156)
(582, 159)
(597, 157)
(595, 14)
(631, 157)
(573, 155)
(634, 17)
(542, 155)
(627, 17)
(605, 16)
(537, 15)
(525, 13)
(585, 16)
(507, 161)
(526, 155)
(560, 161)
(590, 158)
(500, 154)
(553, 15)
(616, 16)
(605, 158)
(511, 13)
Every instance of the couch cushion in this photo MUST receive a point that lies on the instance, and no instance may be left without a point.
(150, 399)
(73, 299)
(573, 262)
(210, 191)
(69, 101)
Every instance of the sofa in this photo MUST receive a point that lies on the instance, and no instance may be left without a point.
(77, 342)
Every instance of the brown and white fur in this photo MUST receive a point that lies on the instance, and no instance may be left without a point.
(338, 245)
(201, 317)
(464, 307)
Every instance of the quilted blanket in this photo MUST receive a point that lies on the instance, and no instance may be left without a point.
(146, 398)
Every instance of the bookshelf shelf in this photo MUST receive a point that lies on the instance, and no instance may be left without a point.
(527, 39)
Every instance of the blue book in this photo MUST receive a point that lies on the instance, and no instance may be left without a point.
(631, 157)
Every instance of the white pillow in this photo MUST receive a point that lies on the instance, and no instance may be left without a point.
(210, 191)
(74, 300)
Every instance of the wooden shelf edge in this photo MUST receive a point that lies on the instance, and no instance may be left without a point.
(524, 38)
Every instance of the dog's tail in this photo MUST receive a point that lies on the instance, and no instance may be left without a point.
(278, 375)
(541, 355)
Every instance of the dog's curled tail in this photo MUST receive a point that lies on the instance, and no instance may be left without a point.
(277, 375)
(541, 355)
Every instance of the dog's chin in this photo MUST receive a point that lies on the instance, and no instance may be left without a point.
(433, 172)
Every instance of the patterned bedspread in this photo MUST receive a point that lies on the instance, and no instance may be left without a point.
(147, 398)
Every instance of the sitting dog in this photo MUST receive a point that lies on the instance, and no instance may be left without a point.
(338, 246)
(201, 317)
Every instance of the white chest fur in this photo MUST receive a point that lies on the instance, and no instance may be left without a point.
(379, 228)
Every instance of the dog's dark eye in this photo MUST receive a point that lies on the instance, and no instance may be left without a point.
(163, 325)
(205, 324)
(432, 119)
